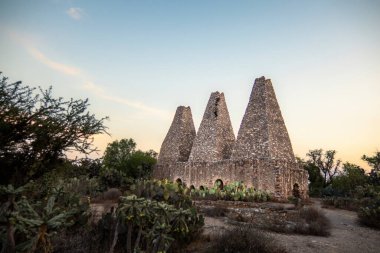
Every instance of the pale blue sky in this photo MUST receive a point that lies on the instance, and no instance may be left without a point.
(138, 60)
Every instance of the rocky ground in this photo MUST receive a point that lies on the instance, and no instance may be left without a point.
(346, 234)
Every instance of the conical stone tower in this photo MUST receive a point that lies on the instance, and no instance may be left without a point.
(262, 132)
(215, 137)
(179, 140)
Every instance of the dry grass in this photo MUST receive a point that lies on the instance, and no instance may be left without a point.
(306, 221)
(316, 222)
(245, 239)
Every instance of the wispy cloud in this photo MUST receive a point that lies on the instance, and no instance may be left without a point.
(97, 90)
(87, 82)
(68, 70)
(75, 13)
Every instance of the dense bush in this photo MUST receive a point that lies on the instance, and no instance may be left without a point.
(111, 178)
(29, 224)
(123, 156)
(361, 196)
(245, 239)
(348, 180)
(341, 202)
(235, 191)
(369, 214)
(152, 216)
(163, 190)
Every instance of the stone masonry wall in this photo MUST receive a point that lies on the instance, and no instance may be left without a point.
(276, 177)
(262, 132)
(179, 139)
(262, 155)
(215, 138)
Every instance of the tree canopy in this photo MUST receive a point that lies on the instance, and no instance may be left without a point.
(36, 129)
(374, 162)
(123, 156)
(325, 162)
(349, 178)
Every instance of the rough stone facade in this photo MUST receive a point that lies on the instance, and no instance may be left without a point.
(215, 138)
(262, 156)
(179, 140)
(262, 132)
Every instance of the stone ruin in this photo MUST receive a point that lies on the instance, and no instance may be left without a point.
(261, 156)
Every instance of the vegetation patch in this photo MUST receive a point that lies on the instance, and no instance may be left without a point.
(235, 191)
(369, 214)
(245, 239)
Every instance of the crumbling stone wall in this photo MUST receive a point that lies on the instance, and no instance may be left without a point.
(262, 155)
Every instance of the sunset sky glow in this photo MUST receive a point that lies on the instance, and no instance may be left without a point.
(137, 61)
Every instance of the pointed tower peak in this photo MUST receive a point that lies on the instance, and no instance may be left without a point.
(260, 79)
(262, 132)
(263, 80)
(183, 107)
(215, 137)
(179, 139)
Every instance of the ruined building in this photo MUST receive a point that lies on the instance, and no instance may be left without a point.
(261, 156)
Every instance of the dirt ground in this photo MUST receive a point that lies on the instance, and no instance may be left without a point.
(346, 235)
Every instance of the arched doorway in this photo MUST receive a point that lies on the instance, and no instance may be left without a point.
(296, 191)
(179, 181)
(219, 184)
(192, 187)
(201, 188)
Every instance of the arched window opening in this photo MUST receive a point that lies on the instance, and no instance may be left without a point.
(178, 181)
(201, 188)
(219, 184)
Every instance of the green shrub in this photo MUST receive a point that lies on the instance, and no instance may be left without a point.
(369, 213)
(31, 223)
(341, 202)
(141, 224)
(113, 178)
(152, 216)
(235, 191)
(162, 190)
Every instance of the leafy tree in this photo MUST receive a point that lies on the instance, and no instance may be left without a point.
(37, 129)
(351, 177)
(374, 162)
(123, 156)
(325, 162)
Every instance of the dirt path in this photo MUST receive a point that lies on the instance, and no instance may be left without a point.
(346, 236)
